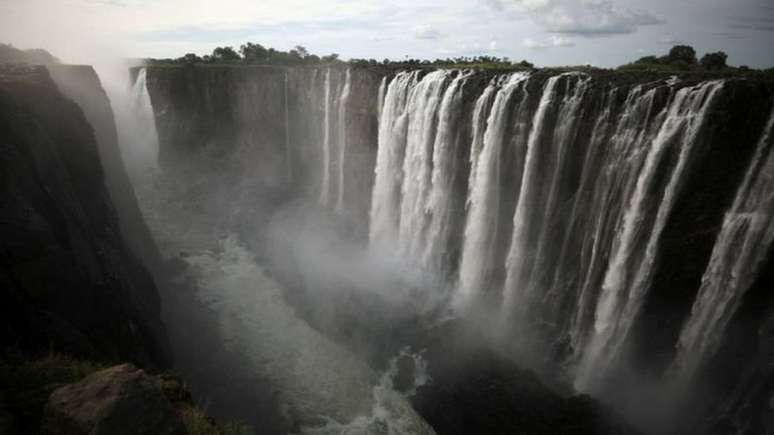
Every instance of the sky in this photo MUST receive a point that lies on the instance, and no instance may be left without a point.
(603, 33)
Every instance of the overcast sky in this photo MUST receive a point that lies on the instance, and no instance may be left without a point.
(546, 32)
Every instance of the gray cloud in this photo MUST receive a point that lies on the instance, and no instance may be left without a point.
(598, 18)
(551, 42)
(765, 24)
(585, 18)
(427, 32)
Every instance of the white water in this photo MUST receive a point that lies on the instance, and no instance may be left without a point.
(423, 105)
(380, 98)
(628, 146)
(481, 230)
(515, 282)
(342, 135)
(623, 294)
(386, 417)
(144, 153)
(288, 152)
(740, 248)
(325, 185)
(444, 163)
(388, 173)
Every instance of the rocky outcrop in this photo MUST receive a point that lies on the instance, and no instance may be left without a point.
(81, 84)
(68, 282)
(118, 400)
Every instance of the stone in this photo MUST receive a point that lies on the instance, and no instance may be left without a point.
(116, 401)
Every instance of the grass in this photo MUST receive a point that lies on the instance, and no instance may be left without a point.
(198, 423)
(26, 384)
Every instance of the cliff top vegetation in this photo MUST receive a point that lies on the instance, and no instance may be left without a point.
(680, 59)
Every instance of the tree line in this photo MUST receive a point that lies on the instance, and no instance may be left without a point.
(256, 54)
(682, 58)
(679, 58)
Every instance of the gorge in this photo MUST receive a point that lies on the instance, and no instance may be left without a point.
(365, 249)
(612, 229)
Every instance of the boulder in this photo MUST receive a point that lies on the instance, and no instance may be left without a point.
(119, 400)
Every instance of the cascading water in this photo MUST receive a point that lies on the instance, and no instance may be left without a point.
(605, 195)
(481, 231)
(342, 135)
(626, 282)
(388, 173)
(571, 186)
(519, 254)
(440, 203)
(423, 105)
(741, 247)
(325, 185)
(144, 153)
(380, 98)
(288, 151)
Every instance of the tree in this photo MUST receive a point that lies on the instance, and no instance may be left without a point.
(254, 53)
(333, 57)
(714, 61)
(225, 55)
(303, 53)
(682, 53)
(647, 60)
(190, 58)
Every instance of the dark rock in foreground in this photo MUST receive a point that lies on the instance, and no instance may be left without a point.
(118, 400)
(68, 281)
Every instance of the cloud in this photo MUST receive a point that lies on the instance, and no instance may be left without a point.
(551, 42)
(670, 40)
(598, 18)
(586, 18)
(764, 24)
(110, 3)
(426, 32)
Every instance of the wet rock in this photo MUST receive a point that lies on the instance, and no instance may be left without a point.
(119, 400)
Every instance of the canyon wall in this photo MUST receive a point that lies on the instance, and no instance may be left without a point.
(70, 283)
(619, 225)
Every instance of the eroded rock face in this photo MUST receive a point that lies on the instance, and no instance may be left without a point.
(68, 281)
(119, 400)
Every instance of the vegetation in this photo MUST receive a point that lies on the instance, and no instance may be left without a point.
(198, 423)
(35, 56)
(26, 384)
(256, 54)
(682, 58)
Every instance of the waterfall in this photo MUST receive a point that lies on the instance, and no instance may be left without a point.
(440, 201)
(562, 223)
(388, 173)
(325, 186)
(481, 230)
(423, 107)
(144, 154)
(342, 135)
(380, 98)
(630, 267)
(609, 177)
(518, 252)
(288, 154)
(738, 254)
(538, 209)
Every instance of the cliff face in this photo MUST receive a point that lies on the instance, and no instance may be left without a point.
(273, 128)
(69, 281)
(82, 85)
(619, 217)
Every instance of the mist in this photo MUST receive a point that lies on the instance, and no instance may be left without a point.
(452, 242)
